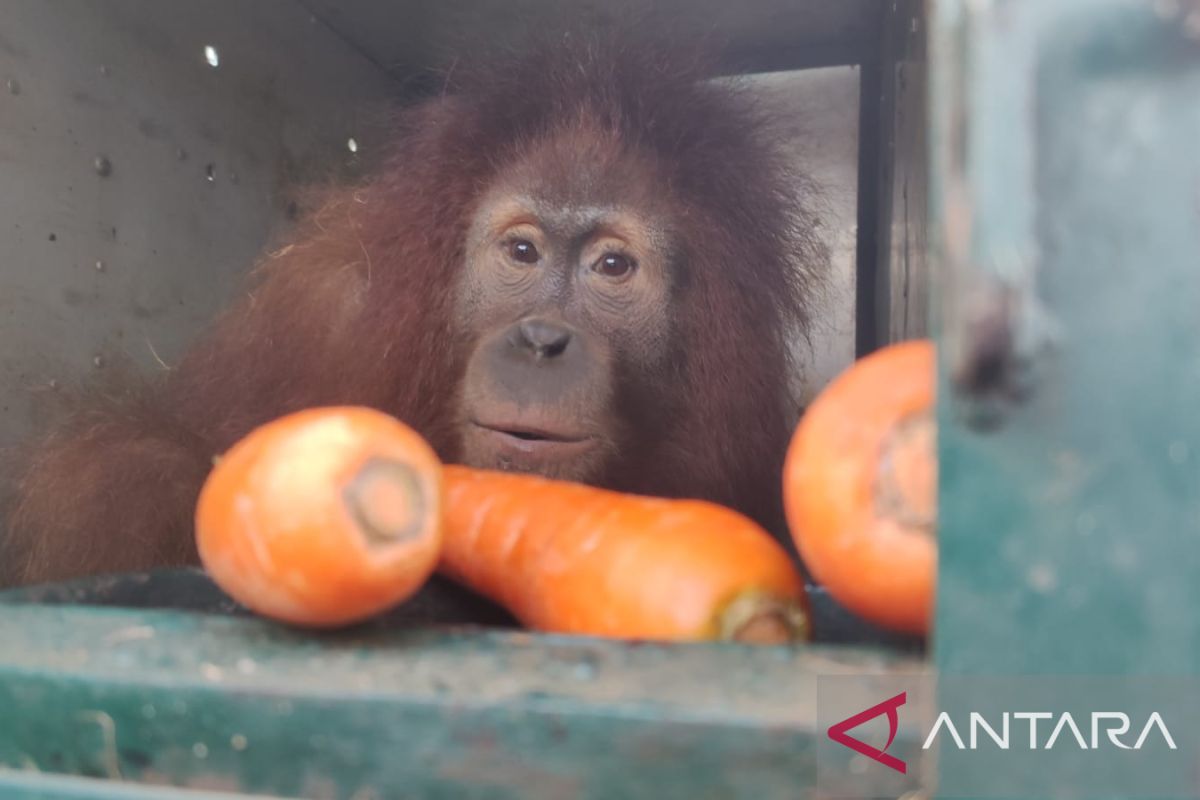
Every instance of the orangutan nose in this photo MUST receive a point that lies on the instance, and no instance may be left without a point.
(543, 338)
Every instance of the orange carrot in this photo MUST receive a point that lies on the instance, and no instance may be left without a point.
(323, 517)
(569, 558)
(860, 487)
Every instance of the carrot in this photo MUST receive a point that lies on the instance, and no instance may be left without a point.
(860, 487)
(323, 517)
(568, 558)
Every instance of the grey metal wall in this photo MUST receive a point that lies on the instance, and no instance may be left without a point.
(121, 146)
(127, 81)
(820, 110)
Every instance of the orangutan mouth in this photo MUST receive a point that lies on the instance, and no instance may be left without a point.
(533, 439)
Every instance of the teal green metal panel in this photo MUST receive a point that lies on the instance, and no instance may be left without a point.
(244, 705)
(1065, 202)
(29, 785)
(1066, 207)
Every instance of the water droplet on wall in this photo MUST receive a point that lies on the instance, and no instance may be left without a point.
(1042, 578)
(97, 361)
(210, 173)
(100, 266)
(212, 56)
(1191, 24)
(14, 87)
(103, 166)
(352, 145)
(1166, 8)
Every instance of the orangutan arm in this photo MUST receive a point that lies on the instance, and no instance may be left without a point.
(113, 489)
(110, 491)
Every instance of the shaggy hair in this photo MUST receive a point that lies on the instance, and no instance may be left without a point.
(358, 308)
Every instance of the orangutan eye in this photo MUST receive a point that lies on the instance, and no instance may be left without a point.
(615, 265)
(523, 251)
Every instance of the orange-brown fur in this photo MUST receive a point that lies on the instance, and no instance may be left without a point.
(358, 309)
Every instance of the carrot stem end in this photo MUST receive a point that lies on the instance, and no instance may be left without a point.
(386, 502)
(756, 617)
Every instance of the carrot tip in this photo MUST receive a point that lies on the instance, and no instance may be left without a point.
(386, 501)
(756, 617)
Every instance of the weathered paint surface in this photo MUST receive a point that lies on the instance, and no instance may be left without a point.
(29, 785)
(1066, 216)
(237, 704)
(439, 601)
(1071, 180)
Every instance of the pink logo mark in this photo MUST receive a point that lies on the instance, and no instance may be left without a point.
(838, 732)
